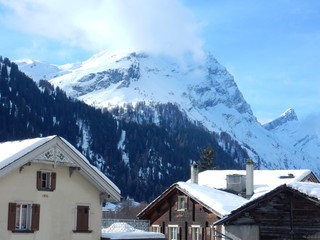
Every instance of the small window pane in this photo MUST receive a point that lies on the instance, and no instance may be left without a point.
(195, 233)
(182, 205)
(155, 228)
(46, 180)
(173, 233)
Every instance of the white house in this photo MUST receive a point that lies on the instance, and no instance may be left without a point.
(49, 190)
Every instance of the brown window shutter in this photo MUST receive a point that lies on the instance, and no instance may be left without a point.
(38, 180)
(53, 181)
(82, 218)
(35, 217)
(188, 202)
(12, 216)
(208, 232)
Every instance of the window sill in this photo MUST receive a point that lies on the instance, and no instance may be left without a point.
(45, 190)
(23, 231)
(82, 231)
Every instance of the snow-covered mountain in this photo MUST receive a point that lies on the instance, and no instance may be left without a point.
(203, 90)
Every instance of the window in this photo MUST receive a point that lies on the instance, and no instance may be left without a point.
(173, 232)
(82, 224)
(234, 179)
(23, 217)
(155, 228)
(195, 232)
(46, 180)
(182, 203)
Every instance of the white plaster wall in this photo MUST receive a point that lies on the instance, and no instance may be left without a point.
(57, 208)
(242, 232)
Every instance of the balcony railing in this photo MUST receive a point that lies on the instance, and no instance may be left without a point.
(143, 225)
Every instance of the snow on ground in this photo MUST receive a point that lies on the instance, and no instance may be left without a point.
(123, 230)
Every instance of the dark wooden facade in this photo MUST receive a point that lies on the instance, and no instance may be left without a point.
(165, 212)
(283, 214)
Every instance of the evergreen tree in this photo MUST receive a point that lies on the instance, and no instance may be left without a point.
(207, 159)
(151, 156)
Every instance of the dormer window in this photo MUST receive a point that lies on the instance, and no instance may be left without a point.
(46, 180)
(182, 203)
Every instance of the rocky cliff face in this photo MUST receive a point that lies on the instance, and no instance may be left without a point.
(205, 91)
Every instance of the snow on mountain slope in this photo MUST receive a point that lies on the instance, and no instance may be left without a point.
(40, 70)
(205, 91)
(289, 130)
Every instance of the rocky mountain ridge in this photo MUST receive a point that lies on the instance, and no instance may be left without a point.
(205, 91)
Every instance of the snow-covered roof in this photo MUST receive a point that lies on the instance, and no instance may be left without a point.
(210, 193)
(309, 189)
(123, 230)
(13, 156)
(12, 151)
(217, 201)
(264, 180)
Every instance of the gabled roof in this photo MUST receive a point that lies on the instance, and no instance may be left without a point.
(217, 201)
(310, 190)
(56, 151)
(264, 180)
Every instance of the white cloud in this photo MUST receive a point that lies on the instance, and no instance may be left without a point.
(158, 26)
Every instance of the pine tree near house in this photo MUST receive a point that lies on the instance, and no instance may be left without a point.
(207, 159)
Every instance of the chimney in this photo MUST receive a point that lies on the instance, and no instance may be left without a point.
(194, 173)
(249, 178)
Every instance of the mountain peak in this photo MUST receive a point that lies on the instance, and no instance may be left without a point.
(288, 116)
(203, 90)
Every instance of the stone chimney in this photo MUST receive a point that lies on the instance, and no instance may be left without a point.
(194, 173)
(249, 178)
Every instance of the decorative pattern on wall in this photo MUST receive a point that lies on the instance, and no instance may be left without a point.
(56, 156)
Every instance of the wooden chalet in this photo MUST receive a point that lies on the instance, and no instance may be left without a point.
(187, 211)
(290, 211)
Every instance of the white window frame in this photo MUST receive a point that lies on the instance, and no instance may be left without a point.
(22, 216)
(155, 228)
(195, 232)
(182, 203)
(173, 232)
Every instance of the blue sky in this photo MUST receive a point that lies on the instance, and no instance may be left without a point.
(271, 47)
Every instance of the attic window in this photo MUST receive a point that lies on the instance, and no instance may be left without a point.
(290, 175)
(182, 203)
(46, 181)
